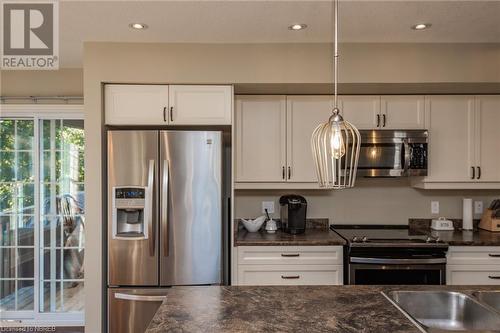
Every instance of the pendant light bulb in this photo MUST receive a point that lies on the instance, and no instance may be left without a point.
(337, 146)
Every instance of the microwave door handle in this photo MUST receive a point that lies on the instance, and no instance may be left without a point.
(164, 206)
(151, 229)
(405, 157)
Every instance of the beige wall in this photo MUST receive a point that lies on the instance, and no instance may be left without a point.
(62, 82)
(378, 201)
(259, 63)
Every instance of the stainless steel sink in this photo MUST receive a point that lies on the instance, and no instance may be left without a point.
(443, 311)
(490, 298)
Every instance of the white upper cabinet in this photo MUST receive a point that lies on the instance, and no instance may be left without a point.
(384, 112)
(304, 114)
(260, 135)
(402, 112)
(487, 146)
(127, 104)
(451, 138)
(195, 104)
(361, 111)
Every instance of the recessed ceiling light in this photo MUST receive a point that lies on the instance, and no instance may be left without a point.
(138, 26)
(421, 26)
(297, 26)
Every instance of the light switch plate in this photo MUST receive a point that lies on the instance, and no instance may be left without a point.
(435, 207)
(269, 205)
(478, 207)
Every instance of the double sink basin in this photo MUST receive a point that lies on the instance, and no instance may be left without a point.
(447, 311)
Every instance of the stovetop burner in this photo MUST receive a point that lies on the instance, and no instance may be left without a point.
(385, 235)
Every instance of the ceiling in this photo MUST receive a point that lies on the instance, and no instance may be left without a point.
(267, 22)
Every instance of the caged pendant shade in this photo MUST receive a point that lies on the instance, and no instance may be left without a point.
(335, 144)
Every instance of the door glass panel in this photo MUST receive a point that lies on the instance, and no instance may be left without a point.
(62, 215)
(17, 214)
(41, 195)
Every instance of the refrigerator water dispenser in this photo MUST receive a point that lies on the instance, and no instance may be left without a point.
(130, 215)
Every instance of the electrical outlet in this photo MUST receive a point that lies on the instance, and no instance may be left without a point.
(269, 205)
(435, 207)
(478, 207)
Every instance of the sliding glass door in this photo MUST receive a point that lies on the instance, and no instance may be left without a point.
(42, 219)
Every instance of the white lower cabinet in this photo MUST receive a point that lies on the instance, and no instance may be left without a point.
(289, 265)
(473, 265)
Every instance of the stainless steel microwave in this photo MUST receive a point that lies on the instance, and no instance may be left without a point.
(393, 153)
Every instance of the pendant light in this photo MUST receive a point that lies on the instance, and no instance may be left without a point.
(336, 143)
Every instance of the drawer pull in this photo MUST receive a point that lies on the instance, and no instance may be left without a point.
(290, 254)
(493, 277)
(494, 255)
(288, 277)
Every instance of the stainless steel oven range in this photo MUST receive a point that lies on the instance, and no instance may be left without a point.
(391, 255)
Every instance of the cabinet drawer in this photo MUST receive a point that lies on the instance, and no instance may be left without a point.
(474, 255)
(289, 255)
(473, 275)
(290, 275)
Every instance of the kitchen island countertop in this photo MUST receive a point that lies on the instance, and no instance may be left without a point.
(286, 309)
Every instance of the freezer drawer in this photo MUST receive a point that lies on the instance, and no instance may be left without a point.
(131, 310)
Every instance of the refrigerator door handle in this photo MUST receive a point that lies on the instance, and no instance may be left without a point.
(141, 298)
(164, 206)
(152, 231)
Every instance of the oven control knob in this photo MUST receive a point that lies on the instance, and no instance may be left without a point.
(438, 240)
(355, 239)
(364, 239)
(428, 240)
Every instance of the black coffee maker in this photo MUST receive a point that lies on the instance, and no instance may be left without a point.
(293, 209)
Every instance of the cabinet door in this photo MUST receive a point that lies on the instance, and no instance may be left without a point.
(289, 275)
(304, 114)
(129, 104)
(473, 275)
(488, 138)
(402, 112)
(361, 111)
(260, 138)
(200, 105)
(451, 138)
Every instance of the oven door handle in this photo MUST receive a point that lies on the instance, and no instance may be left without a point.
(363, 260)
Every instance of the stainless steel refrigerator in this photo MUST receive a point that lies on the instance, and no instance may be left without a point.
(165, 219)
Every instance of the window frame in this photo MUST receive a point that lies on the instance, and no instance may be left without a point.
(37, 112)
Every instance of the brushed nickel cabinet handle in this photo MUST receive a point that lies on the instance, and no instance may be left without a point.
(290, 254)
(289, 277)
(378, 120)
(473, 173)
(494, 277)
(171, 113)
(164, 113)
(478, 172)
(494, 255)
(383, 120)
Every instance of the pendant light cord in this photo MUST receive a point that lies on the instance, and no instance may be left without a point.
(336, 53)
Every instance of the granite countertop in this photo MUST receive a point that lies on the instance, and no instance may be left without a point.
(458, 237)
(317, 233)
(286, 309)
